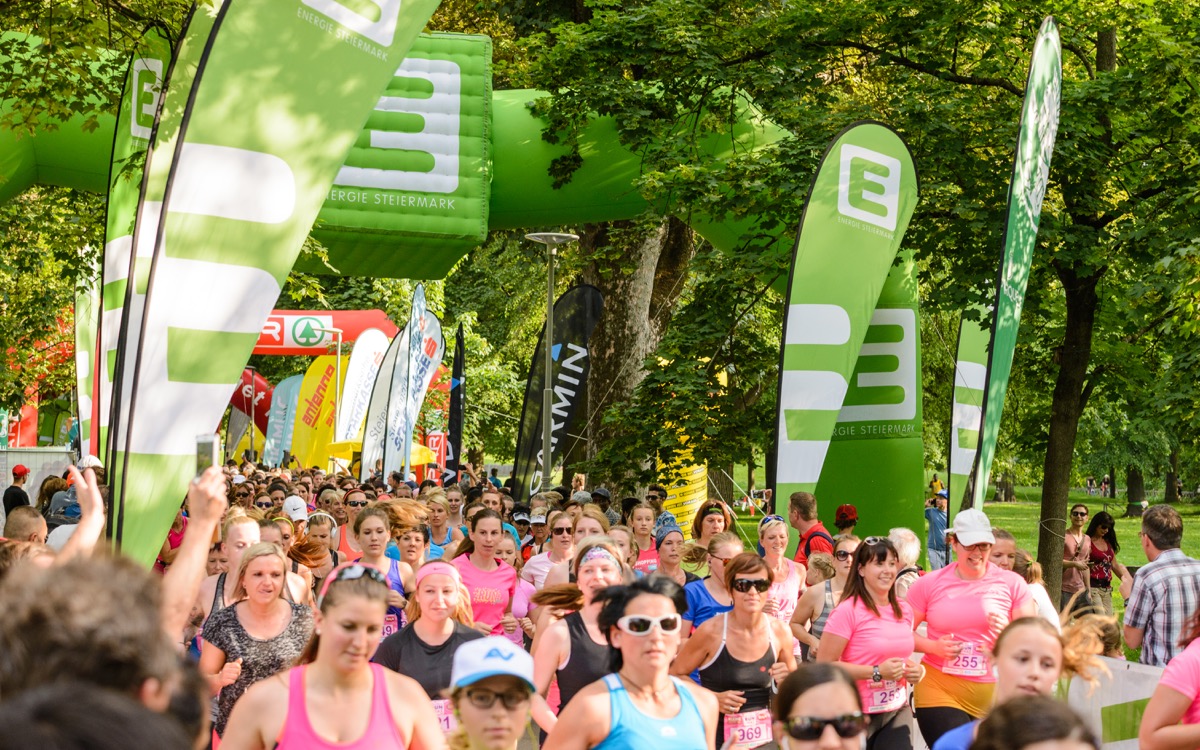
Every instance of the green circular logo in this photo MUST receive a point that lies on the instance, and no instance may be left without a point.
(305, 331)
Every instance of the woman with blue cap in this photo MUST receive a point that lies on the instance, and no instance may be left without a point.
(491, 684)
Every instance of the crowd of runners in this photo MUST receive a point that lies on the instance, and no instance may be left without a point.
(300, 610)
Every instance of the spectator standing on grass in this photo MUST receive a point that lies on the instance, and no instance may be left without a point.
(1165, 592)
(1077, 550)
(937, 551)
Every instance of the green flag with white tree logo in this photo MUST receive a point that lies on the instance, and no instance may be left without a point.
(1031, 169)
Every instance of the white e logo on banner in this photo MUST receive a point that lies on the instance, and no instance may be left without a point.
(904, 376)
(867, 202)
(145, 92)
(379, 28)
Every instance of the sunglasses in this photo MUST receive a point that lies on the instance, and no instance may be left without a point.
(562, 529)
(767, 519)
(743, 585)
(241, 494)
(652, 496)
(873, 540)
(642, 625)
(483, 698)
(350, 572)
(810, 728)
(843, 554)
(357, 503)
(266, 504)
(1079, 513)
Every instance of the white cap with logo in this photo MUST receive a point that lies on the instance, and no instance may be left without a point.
(972, 527)
(295, 508)
(490, 657)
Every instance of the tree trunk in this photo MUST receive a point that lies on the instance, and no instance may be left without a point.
(1135, 491)
(720, 484)
(1171, 495)
(750, 466)
(1070, 397)
(641, 279)
(1112, 483)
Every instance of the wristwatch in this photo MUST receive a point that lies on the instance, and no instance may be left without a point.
(876, 676)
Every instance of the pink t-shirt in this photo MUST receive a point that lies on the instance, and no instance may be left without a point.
(520, 608)
(873, 639)
(647, 561)
(1183, 676)
(491, 591)
(960, 608)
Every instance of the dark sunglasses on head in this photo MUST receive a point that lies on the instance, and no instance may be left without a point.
(810, 728)
(873, 540)
(743, 585)
(485, 699)
(562, 529)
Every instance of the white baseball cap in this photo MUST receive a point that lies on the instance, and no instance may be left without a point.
(295, 508)
(972, 527)
(89, 462)
(490, 657)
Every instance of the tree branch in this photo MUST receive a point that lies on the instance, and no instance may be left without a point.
(930, 70)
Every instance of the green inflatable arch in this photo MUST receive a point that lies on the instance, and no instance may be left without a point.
(410, 202)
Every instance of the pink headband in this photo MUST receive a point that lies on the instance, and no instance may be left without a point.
(437, 567)
(598, 553)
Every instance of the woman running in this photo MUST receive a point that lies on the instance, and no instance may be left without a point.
(1006, 556)
(439, 623)
(639, 705)
(322, 530)
(1172, 718)
(709, 597)
(351, 504)
(492, 583)
(371, 529)
(641, 518)
(1029, 656)
(492, 687)
(669, 542)
(561, 549)
(741, 655)
(336, 699)
(787, 576)
(870, 635)
(814, 607)
(818, 706)
(574, 648)
(965, 605)
(589, 523)
(256, 637)
(442, 533)
(523, 608)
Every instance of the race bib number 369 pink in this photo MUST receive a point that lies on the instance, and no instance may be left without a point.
(749, 730)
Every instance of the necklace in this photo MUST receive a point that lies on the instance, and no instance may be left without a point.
(654, 692)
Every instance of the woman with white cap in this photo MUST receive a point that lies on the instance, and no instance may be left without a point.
(490, 690)
(965, 605)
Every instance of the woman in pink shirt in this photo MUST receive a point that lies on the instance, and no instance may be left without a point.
(1172, 718)
(869, 634)
(492, 583)
(966, 605)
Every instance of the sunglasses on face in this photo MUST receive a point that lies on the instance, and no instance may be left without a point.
(357, 503)
(810, 728)
(266, 504)
(241, 494)
(642, 624)
(743, 585)
(1079, 513)
(843, 554)
(562, 529)
(484, 698)
(652, 496)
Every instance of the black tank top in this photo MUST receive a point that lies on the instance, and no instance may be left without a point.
(587, 663)
(724, 672)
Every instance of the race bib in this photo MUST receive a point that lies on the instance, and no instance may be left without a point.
(445, 715)
(972, 661)
(885, 696)
(391, 623)
(748, 730)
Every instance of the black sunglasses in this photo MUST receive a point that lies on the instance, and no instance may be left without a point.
(267, 504)
(809, 728)
(1079, 513)
(562, 529)
(356, 503)
(743, 585)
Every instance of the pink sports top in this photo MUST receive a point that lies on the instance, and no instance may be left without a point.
(298, 733)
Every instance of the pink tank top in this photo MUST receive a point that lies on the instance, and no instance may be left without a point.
(298, 733)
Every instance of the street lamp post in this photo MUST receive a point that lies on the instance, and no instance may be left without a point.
(551, 240)
(337, 370)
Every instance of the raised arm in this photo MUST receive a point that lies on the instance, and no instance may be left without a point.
(181, 584)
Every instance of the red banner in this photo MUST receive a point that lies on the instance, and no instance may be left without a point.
(300, 332)
(253, 396)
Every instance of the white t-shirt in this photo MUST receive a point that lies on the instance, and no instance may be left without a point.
(1045, 607)
(536, 569)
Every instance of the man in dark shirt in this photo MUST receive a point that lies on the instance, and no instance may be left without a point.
(15, 495)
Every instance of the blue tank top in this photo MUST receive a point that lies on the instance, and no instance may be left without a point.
(396, 583)
(631, 729)
(438, 549)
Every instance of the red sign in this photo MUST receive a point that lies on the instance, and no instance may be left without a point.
(311, 332)
(253, 396)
